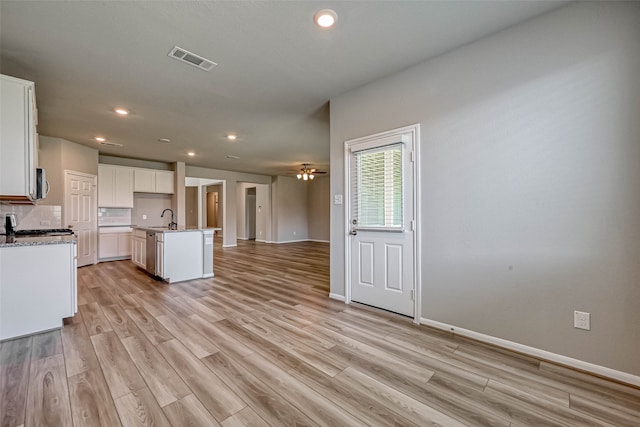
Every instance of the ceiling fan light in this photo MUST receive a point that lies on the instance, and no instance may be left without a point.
(299, 176)
(305, 176)
(311, 176)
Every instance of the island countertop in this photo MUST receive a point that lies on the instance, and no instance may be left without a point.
(12, 241)
(165, 229)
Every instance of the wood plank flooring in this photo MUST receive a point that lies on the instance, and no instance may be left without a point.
(261, 344)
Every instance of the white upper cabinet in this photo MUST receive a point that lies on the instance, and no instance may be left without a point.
(153, 181)
(115, 186)
(18, 139)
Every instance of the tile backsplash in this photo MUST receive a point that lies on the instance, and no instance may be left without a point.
(32, 217)
(114, 216)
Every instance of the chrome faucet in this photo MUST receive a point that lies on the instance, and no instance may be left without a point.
(172, 225)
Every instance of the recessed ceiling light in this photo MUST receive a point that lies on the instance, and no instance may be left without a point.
(232, 137)
(325, 18)
(100, 139)
(191, 153)
(121, 111)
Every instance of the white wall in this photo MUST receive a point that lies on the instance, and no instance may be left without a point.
(530, 162)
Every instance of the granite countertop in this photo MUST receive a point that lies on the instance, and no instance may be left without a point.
(165, 229)
(11, 241)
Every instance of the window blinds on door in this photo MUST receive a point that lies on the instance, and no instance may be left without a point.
(377, 188)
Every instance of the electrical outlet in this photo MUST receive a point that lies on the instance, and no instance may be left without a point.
(582, 320)
(144, 217)
(45, 222)
(337, 199)
(294, 233)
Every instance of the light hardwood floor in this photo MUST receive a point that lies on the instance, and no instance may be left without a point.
(261, 344)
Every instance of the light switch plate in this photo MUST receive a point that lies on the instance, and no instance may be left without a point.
(337, 199)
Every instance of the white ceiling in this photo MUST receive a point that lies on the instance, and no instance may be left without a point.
(276, 70)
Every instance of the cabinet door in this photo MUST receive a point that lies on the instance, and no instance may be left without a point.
(139, 256)
(18, 155)
(160, 259)
(123, 188)
(164, 182)
(124, 244)
(144, 180)
(106, 181)
(108, 246)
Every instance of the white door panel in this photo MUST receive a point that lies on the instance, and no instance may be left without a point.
(381, 237)
(80, 214)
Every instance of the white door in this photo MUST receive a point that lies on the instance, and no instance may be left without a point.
(80, 213)
(382, 220)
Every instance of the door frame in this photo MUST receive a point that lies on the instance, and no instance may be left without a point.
(65, 213)
(417, 268)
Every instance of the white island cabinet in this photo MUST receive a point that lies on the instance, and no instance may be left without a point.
(182, 254)
(38, 284)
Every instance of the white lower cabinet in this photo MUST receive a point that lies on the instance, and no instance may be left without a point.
(139, 248)
(160, 255)
(38, 288)
(115, 243)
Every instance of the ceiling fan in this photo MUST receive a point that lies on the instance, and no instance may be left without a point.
(306, 173)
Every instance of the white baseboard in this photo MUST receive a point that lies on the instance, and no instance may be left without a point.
(241, 238)
(537, 353)
(317, 240)
(229, 246)
(337, 297)
(291, 241)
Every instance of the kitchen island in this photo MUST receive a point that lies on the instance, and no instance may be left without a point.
(174, 255)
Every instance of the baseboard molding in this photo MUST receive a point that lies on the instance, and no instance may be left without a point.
(337, 297)
(229, 246)
(537, 353)
(299, 241)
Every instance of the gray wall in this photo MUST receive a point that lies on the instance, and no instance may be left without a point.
(231, 179)
(57, 155)
(191, 206)
(289, 197)
(151, 205)
(530, 163)
(319, 208)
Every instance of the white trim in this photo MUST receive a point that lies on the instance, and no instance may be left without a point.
(368, 142)
(230, 246)
(318, 240)
(262, 241)
(537, 353)
(291, 241)
(337, 297)
(242, 238)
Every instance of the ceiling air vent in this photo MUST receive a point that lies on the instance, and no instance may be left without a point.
(191, 58)
(112, 144)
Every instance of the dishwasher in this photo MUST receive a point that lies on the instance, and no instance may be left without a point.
(151, 252)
